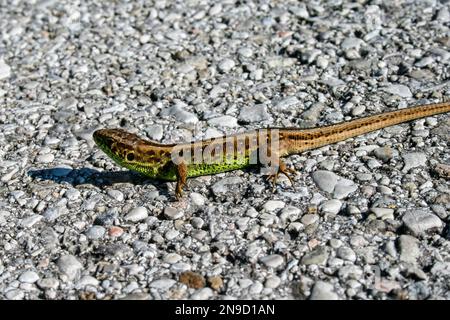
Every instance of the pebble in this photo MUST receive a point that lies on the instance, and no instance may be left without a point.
(331, 206)
(273, 205)
(272, 261)
(202, 294)
(45, 158)
(69, 266)
(162, 284)
(5, 70)
(325, 180)
(172, 213)
(419, 222)
(323, 291)
(414, 160)
(29, 277)
(346, 253)
(383, 213)
(409, 249)
(87, 281)
(172, 258)
(226, 65)
(399, 90)
(318, 256)
(15, 294)
(115, 194)
(95, 232)
(272, 282)
(115, 231)
(197, 199)
(255, 113)
(30, 221)
(224, 185)
(308, 219)
(72, 194)
(223, 121)
(137, 214)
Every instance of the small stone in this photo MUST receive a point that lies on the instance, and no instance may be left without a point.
(318, 256)
(95, 232)
(173, 213)
(419, 222)
(346, 253)
(70, 266)
(255, 113)
(198, 199)
(48, 283)
(29, 277)
(115, 194)
(45, 158)
(223, 121)
(413, 160)
(323, 291)
(308, 219)
(272, 282)
(115, 231)
(441, 269)
(30, 221)
(344, 188)
(331, 206)
(409, 249)
(162, 284)
(87, 281)
(225, 185)
(215, 282)
(245, 52)
(399, 90)
(273, 205)
(137, 214)
(192, 279)
(5, 70)
(14, 294)
(202, 294)
(172, 258)
(325, 180)
(383, 213)
(272, 261)
(155, 132)
(226, 65)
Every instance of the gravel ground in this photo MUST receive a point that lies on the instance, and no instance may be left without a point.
(367, 218)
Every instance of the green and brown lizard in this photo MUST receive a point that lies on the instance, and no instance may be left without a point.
(177, 162)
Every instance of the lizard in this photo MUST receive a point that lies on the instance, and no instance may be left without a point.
(177, 162)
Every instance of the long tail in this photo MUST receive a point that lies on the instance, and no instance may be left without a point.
(299, 140)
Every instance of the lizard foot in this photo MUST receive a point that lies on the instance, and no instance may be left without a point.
(284, 170)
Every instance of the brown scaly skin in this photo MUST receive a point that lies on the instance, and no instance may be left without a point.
(239, 151)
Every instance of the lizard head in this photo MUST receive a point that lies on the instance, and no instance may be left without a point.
(118, 144)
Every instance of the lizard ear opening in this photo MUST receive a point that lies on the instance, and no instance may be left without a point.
(130, 156)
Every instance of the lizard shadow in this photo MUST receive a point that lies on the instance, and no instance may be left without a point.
(95, 177)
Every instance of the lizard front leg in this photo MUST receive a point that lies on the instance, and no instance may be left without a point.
(282, 168)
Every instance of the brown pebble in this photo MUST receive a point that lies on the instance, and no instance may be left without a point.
(115, 231)
(215, 282)
(192, 279)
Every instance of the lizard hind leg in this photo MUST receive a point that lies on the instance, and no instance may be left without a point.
(282, 168)
(181, 171)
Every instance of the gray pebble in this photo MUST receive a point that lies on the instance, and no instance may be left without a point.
(197, 199)
(399, 90)
(115, 194)
(173, 213)
(226, 65)
(413, 160)
(69, 266)
(272, 261)
(331, 206)
(162, 284)
(409, 249)
(223, 121)
(323, 291)
(30, 221)
(253, 113)
(346, 253)
(137, 214)
(383, 213)
(273, 205)
(420, 222)
(202, 294)
(15, 294)
(325, 180)
(5, 70)
(29, 277)
(318, 256)
(272, 282)
(95, 232)
(308, 219)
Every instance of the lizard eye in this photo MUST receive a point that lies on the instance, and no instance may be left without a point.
(130, 156)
